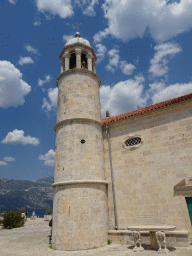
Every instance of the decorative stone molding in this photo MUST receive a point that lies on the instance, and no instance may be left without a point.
(78, 71)
(83, 46)
(89, 55)
(78, 51)
(67, 55)
(132, 137)
(73, 120)
(71, 182)
(184, 187)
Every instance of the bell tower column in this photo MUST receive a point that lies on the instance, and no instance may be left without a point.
(67, 56)
(62, 65)
(78, 57)
(89, 57)
(80, 210)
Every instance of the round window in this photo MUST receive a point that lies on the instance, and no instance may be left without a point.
(133, 141)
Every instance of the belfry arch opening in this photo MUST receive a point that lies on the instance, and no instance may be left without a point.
(84, 61)
(72, 60)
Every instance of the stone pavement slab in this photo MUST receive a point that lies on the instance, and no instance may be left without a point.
(32, 240)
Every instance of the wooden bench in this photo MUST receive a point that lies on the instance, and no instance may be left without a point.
(157, 236)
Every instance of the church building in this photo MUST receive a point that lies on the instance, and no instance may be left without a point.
(125, 170)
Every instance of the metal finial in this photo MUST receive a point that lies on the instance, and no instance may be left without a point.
(77, 26)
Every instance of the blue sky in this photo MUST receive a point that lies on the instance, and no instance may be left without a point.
(144, 57)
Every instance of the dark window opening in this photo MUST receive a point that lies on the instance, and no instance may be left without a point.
(133, 141)
(72, 61)
(84, 61)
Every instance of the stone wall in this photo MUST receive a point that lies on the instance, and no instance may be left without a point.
(80, 212)
(78, 96)
(80, 217)
(145, 177)
(77, 161)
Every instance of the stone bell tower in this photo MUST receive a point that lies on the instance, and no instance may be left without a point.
(80, 219)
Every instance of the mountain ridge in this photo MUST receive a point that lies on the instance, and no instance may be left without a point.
(24, 193)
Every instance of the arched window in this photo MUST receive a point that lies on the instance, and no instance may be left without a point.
(72, 60)
(84, 61)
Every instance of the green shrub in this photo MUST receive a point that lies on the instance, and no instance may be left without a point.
(12, 219)
(109, 241)
(49, 210)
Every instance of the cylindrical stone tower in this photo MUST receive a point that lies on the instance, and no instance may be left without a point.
(80, 219)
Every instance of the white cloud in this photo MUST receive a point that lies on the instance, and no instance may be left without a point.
(126, 68)
(159, 63)
(17, 137)
(113, 59)
(49, 158)
(89, 10)
(100, 35)
(25, 60)
(158, 92)
(3, 163)
(101, 50)
(123, 97)
(37, 23)
(12, 87)
(46, 105)
(130, 19)
(53, 95)
(8, 159)
(31, 49)
(12, 1)
(41, 82)
(62, 8)
(66, 37)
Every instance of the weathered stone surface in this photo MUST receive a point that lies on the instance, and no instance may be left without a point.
(80, 210)
(144, 178)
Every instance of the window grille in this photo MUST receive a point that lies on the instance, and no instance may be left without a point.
(133, 141)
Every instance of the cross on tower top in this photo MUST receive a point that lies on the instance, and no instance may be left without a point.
(77, 26)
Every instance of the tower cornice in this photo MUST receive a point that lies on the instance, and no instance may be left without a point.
(83, 46)
(80, 71)
(72, 182)
(76, 120)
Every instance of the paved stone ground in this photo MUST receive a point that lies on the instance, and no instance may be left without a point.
(32, 239)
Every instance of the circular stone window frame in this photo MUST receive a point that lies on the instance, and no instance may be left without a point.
(132, 137)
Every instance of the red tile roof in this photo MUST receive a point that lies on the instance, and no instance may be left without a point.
(147, 109)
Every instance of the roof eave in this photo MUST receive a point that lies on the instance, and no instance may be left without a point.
(147, 112)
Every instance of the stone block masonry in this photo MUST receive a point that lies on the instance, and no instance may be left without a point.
(80, 211)
(144, 177)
